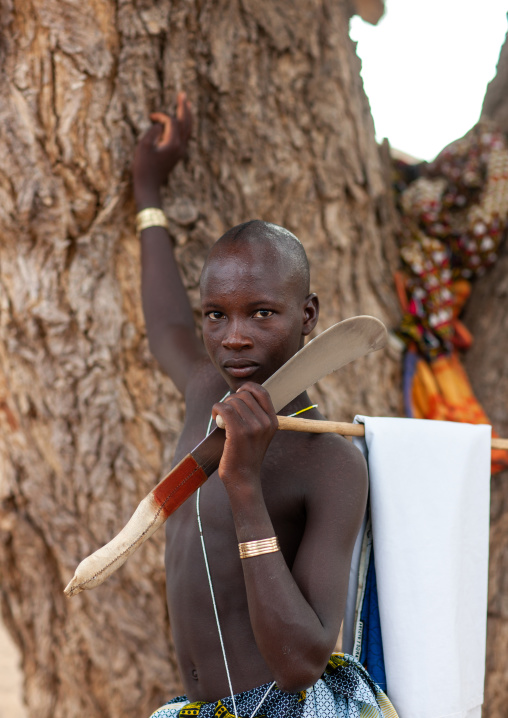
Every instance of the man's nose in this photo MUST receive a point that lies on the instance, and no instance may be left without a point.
(236, 335)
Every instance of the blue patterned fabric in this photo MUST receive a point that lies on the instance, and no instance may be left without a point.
(372, 642)
(345, 690)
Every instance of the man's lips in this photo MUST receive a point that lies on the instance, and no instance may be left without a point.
(240, 368)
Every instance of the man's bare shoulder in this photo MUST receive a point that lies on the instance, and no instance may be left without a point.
(329, 451)
(335, 471)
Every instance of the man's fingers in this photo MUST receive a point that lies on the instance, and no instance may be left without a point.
(167, 127)
(250, 403)
(184, 116)
(151, 136)
(181, 101)
(260, 394)
(239, 413)
(247, 407)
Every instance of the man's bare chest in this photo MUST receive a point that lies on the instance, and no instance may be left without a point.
(284, 496)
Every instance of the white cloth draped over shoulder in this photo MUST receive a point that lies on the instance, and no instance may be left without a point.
(429, 500)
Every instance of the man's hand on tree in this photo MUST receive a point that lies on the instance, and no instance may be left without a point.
(159, 150)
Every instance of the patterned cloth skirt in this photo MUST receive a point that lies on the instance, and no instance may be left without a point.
(345, 690)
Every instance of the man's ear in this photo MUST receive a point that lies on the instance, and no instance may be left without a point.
(310, 313)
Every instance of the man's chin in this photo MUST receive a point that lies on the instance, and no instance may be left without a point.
(242, 373)
(236, 382)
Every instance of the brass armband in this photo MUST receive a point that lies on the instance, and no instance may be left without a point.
(150, 217)
(248, 549)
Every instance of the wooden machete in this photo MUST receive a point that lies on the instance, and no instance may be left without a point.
(329, 351)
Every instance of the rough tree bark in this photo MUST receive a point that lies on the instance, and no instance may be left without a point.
(487, 318)
(88, 422)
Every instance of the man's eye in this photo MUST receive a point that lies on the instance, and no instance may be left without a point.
(215, 315)
(263, 313)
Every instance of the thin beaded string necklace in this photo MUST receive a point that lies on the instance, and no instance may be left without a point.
(212, 592)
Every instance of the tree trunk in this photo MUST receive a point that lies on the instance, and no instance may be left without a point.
(487, 365)
(282, 132)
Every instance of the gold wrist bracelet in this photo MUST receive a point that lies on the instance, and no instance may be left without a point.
(257, 548)
(150, 217)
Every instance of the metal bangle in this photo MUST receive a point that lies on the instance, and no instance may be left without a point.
(150, 217)
(248, 549)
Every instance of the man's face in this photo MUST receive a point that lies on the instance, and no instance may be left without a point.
(253, 314)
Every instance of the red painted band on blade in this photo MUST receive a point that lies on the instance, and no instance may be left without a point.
(179, 484)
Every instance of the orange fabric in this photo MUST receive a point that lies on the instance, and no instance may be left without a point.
(441, 390)
(461, 289)
(462, 337)
(427, 400)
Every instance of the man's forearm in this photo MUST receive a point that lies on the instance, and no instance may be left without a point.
(166, 304)
(288, 632)
(165, 299)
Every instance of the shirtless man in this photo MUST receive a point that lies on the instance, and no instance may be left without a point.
(279, 612)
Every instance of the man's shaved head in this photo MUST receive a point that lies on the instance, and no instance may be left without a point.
(255, 301)
(271, 242)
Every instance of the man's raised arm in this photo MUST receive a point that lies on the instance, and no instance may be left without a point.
(168, 314)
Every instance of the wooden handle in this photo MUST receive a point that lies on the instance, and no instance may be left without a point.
(499, 443)
(291, 423)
